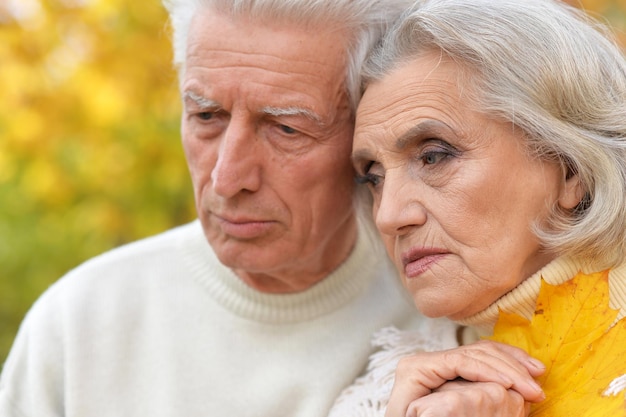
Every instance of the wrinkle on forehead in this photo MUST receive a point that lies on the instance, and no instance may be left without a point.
(434, 93)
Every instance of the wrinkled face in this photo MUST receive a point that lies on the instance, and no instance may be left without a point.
(455, 194)
(267, 133)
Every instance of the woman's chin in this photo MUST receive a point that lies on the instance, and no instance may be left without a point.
(442, 308)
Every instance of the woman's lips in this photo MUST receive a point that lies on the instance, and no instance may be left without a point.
(418, 261)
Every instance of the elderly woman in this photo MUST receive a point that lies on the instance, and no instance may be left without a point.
(492, 137)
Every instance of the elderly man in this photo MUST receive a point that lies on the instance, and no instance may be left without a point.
(266, 304)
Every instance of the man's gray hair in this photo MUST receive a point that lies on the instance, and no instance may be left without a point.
(363, 20)
(551, 71)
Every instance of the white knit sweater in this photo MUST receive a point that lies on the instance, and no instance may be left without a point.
(161, 328)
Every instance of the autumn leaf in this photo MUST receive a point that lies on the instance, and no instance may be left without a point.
(573, 332)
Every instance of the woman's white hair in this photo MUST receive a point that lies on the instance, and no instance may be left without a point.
(363, 20)
(554, 73)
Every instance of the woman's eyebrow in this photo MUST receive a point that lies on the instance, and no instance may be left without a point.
(421, 129)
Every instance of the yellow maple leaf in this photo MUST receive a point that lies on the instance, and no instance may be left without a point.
(574, 333)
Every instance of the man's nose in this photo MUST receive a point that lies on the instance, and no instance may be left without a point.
(239, 162)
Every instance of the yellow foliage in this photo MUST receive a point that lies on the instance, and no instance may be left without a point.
(101, 97)
(611, 12)
(574, 333)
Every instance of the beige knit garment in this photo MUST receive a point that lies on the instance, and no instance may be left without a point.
(523, 298)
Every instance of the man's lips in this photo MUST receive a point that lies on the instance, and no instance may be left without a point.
(243, 227)
(418, 260)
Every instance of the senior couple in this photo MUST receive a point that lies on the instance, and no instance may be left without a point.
(491, 139)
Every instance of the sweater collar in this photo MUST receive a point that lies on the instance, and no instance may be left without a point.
(227, 289)
(522, 299)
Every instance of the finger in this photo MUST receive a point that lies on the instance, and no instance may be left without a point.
(465, 386)
(534, 366)
(513, 356)
(485, 361)
(480, 362)
(465, 399)
(488, 361)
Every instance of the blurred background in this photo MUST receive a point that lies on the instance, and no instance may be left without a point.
(90, 155)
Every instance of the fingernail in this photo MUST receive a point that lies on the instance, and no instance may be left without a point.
(534, 385)
(537, 363)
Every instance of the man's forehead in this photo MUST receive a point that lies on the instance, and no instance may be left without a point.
(277, 69)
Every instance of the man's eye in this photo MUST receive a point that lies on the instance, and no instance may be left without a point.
(287, 129)
(205, 115)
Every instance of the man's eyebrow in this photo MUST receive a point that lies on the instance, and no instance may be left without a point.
(291, 111)
(206, 103)
(202, 102)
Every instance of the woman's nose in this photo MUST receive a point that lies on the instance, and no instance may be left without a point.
(399, 208)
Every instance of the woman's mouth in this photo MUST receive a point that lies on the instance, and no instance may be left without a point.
(417, 261)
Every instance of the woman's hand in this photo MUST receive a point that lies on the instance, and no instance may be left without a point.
(470, 399)
(489, 378)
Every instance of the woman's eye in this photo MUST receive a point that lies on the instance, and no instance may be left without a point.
(434, 156)
(431, 158)
(370, 177)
